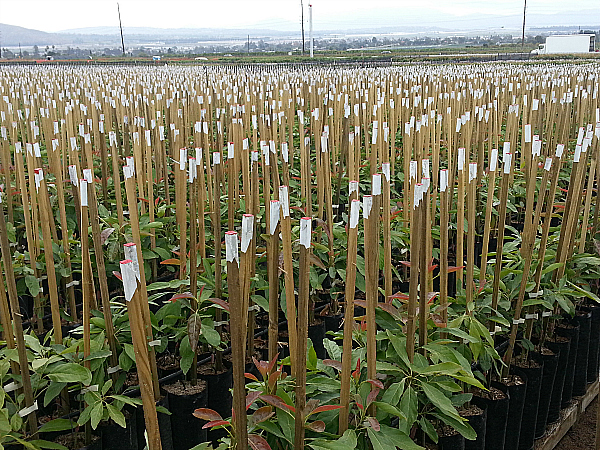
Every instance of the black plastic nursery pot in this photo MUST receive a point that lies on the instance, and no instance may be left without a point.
(452, 442)
(584, 318)
(477, 420)
(562, 346)
(115, 437)
(219, 397)
(333, 323)
(497, 403)
(517, 388)
(594, 347)
(164, 426)
(316, 333)
(571, 330)
(534, 370)
(550, 359)
(184, 399)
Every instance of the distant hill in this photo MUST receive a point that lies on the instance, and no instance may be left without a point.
(12, 36)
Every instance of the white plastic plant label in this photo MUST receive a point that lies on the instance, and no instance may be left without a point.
(385, 169)
(527, 130)
(367, 206)
(413, 170)
(560, 148)
(73, 175)
(305, 231)
(507, 163)
(274, 216)
(577, 155)
(130, 250)
(87, 174)
(284, 201)
(247, 231)
(493, 159)
(353, 187)
(284, 151)
(461, 158)
(425, 167)
(376, 184)
(83, 192)
(443, 180)
(505, 150)
(472, 171)
(131, 164)
(548, 164)
(354, 213)
(192, 171)
(216, 158)
(231, 247)
(129, 278)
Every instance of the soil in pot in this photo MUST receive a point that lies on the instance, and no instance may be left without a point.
(497, 402)
(548, 378)
(584, 318)
(183, 400)
(219, 397)
(571, 330)
(75, 441)
(533, 369)
(477, 419)
(450, 439)
(516, 384)
(560, 345)
(167, 363)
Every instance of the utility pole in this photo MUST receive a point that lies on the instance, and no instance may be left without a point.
(523, 37)
(302, 23)
(248, 44)
(310, 30)
(121, 27)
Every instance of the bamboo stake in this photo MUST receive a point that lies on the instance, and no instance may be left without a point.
(132, 287)
(237, 320)
(290, 297)
(303, 298)
(349, 315)
(23, 371)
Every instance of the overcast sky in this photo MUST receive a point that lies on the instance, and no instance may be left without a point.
(57, 15)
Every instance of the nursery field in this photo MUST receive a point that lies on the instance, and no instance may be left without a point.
(288, 258)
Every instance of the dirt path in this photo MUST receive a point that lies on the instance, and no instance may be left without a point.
(582, 435)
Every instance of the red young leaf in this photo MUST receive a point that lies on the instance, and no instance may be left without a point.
(277, 402)
(333, 363)
(317, 425)
(207, 414)
(258, 442)
(173, 261)
(406, 263)
(400, 295)
(376, 383)
(184, 295)
(372, 395)
(251, 398)
(361, 303)
(325, 408)
(117, 274)
(262, 414)
(222, 303)
(374, 423)
(215, 423)
(391, 309)
(250, 376)
(454, 269)
(273, 379)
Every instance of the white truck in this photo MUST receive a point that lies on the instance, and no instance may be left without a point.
(567, 43)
